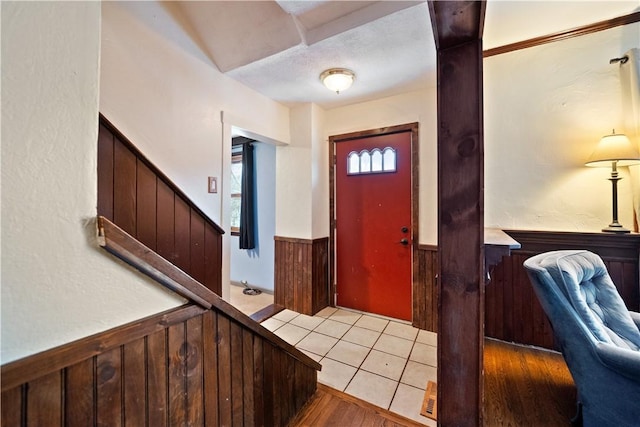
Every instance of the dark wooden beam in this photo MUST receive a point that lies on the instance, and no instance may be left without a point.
(457, 28)
(456, 22)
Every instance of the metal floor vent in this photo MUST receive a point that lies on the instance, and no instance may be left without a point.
(430, 403)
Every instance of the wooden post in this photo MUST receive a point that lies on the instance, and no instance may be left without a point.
(457, 28)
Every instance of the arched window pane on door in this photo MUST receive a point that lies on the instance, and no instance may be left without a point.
(376, 160)
(389, 160)
(365, 162)
(353, 163)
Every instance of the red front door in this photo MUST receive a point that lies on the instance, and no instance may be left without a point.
(373, 224)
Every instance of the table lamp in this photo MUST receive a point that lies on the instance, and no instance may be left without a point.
(614, 150)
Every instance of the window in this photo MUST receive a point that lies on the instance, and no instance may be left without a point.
(236, 192)
(374, 161)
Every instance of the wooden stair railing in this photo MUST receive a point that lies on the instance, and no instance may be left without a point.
(116, 241)
(205, 364)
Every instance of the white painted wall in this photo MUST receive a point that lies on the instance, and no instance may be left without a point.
(168, 97)
(256, 266)
(319, 175)
(546, 108)
(302, 208)
(294, 207)
(57, 285)
(419, 106)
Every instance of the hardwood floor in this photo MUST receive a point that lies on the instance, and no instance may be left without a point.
(525, 386)
(330, 407)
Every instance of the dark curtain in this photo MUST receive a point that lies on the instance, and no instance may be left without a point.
(247, 205)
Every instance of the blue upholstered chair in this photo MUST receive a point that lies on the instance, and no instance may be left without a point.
(599, 338)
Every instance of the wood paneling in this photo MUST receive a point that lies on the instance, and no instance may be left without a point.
(124, 187)
(141, 200)
(425, 293)
(193, 367)
(301, 274)
(105, 171)
(513, 312)
(80, 394)
(147, 199)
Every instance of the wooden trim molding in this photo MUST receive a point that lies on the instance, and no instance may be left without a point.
(607, 245)
(127, 248)
(296, 240)
(563, 35)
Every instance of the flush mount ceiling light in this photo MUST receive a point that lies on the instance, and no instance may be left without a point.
(337, 79)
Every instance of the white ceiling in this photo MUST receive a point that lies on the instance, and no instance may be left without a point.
(279, 48)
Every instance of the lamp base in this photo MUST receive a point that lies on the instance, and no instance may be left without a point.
(615, 228)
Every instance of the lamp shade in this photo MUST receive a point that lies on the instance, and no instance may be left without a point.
(614, 148)
(337, 79)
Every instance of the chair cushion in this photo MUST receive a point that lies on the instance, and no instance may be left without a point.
(591, 292)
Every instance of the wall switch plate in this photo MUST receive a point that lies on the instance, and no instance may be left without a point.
(213, 184)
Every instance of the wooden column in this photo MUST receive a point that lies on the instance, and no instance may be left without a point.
(457, 28)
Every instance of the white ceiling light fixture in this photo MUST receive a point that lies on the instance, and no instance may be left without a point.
(337, 79)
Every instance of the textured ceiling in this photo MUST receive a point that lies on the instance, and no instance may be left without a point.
(279, 48)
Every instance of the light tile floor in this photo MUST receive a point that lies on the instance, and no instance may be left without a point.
(382, 361)
(248, 304)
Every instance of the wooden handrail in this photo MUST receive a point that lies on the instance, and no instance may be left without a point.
(121, 244)
(118, 242)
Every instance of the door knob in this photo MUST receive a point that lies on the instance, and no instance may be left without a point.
(404, 242)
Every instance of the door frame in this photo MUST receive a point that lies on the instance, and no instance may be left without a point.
(415, 186)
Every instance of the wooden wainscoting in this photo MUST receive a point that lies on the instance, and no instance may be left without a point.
(186, 366)
(140, 199)
(301, 274)
(513, 312)
(425, 294)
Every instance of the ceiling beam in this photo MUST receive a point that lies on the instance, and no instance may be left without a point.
(457, 28)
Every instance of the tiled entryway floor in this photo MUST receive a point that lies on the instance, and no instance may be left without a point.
(381, 361)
